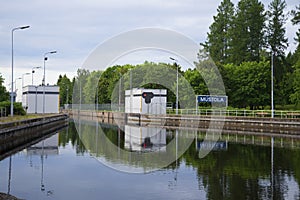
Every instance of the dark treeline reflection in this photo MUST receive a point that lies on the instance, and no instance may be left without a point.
(239, 172)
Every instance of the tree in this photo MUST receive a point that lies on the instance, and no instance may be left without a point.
(78, 85)
(107, 83)
(65, 90)
(296, 21)
(248, 36)
(218, 39)
(89, 90)
(295, 96)
(278, 44)
(276, 30)
(4, 95)
(195, 79)
(249, 84)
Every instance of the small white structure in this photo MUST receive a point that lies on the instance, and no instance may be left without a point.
(146, 101)
(139, 138)
(33, 99)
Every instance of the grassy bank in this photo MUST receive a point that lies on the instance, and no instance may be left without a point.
(22, 117)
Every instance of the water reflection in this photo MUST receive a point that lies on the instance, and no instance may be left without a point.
(239, 167)
(43, 149)
(143, 139)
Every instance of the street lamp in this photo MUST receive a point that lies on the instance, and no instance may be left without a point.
(12, 67)
(23, 84)
(44, 78)
(272, 84)
(16, 83)
(23, 80)
(176, 83)
(32, 72)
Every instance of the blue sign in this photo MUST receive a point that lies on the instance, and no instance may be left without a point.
(211, 99)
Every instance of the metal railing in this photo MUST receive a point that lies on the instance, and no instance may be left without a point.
(3, 112)
(239, 113)
(200, 112)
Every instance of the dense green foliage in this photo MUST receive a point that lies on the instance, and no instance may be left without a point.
(4, 95)
(65, 90)
(219, 37)
(250, 80)
(253, 33)
(248, 37)
(18, 109)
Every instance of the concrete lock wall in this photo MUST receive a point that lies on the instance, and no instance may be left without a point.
(33, 99)
(135, 103)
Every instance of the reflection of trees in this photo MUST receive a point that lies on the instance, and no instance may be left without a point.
(241, 172)
(238, 172)
(70, 135)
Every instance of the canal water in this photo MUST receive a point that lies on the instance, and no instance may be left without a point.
(66, 165)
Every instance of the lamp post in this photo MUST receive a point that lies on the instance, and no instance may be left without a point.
(44, 77)
(12, 67)
(67, 101)
(272, 84)
(32, 72)
(16, 83)
(16, 87)
(176, 83)
(23, 80)
(23, 84)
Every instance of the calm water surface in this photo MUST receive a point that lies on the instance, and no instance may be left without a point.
(239, 167)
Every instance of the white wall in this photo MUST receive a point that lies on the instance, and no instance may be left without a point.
(33, 99)
(158, 103)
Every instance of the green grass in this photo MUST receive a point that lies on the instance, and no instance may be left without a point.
(21, 117)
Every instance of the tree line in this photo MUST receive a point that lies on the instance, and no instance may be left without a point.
(244, 40)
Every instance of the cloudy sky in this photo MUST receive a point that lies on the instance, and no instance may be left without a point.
(75, 28)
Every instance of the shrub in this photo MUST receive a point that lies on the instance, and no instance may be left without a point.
(18, 109)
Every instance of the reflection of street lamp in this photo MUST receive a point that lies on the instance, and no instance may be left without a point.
(272, 166)
(44, 78)
(12, 67)
(32, 72)
(175, 63)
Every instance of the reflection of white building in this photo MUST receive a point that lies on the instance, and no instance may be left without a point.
(145, 138)
(33, 99)
(146, 101)
(46, 147)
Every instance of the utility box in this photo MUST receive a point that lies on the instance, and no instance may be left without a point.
(146, 101)
(33, 99)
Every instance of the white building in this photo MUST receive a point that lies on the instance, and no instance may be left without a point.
(33, 99)
(146, 101)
